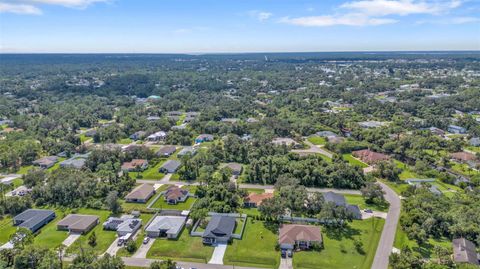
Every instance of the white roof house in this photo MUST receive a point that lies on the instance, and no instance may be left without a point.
(166, 226)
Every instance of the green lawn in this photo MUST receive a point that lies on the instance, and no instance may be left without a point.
(185, 248)
(24, 169)
(84, 138)
(317, 140)
(150, 173)
(49, 236)
(474, 149)
(463, 169)
(56, 165)
(407, 172)
(104, 238)
(6, 229)
(397, 187)
(353, 161)
(125, 141)
(339, 250)
(358, 200)
(250, 211)
(255, 249)
(161, 204)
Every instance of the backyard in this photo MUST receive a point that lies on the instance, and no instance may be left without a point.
(354, 161)
(150, 173)
(358, 200)
(317, 140)
(340, 244)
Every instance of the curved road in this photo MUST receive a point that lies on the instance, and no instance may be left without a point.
(389, 229)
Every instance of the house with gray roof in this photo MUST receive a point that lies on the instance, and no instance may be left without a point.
(166, 151)
(166, 226)
(78, 224)
(186, 151)
(339, 200)
(46, 162)
(170, 166)
(325, 133)
(475, 141)
(219, 230)
(464, 251)
(140, 194)
(454, 129)
(77, 161)
(203, 138)
(236, 168)
(123, 226)
(33, 219)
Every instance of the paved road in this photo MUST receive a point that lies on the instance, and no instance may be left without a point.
(139, 262)
(385, 245)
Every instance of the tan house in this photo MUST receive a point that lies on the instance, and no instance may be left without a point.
(370, 157)
(463, 156)
(80, 224)
(464, 251)
(140, 194)
(295, 236)
(256, 199)
(135, 164)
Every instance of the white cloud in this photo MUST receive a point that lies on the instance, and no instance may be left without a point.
(68, 3)
(19, 9)
(401, 7)
(260, 15)
(454, 20)
(347, 19)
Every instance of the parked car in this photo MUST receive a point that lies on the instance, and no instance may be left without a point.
(146, 240)
(368, 210)
(284, 253)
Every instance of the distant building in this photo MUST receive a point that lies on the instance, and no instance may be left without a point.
(325, 133)
(140, 194)
(33, 219)
(236, 168)
(463, 156)
(203, 138)
(138, 135)
(372, 124)
(370, 157)
(170, 166)
(187, 151)
(158, 136)
(46, 162)
(256, 199)
(135, 164)
(285, 141)
(454, 129)
(339, 200)
(76, 161)
(166, 151)
(475, 141)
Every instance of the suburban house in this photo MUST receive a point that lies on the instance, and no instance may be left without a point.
(158, 136)
(91, 133)
(140, 194)
(230, 120)
(190, 116)
(454, 129)
(174, 195)
(166, 226)
(325, 133)
(436, 131)
(370, 157)
(295, 236)
(123, 226)
(187, 150)
(236, 168)
(203, 138)
(20, 191)
(475, 141)
(170, 166)
(77, 161)
(33, 219)
(339, 200)
(46, 162)
(256, 199)
(153, 118)
(79, 224)
(166, 151)
(464, 251)
(138, 135)
(219, 230)
(279, 141)
(135, 164)
(463, 156)
(372, 124)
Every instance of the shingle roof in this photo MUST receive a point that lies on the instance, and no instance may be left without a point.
(258, 198)
(171, 165)
(464, 251)
(141, 192)
(166, 150)
(32, 217)
(335, 198)
(78, 222)
(134, 164)
(289, 233)
(174, 192)
(172, 224)
(220, 226)
(463, 156)
(370, 157)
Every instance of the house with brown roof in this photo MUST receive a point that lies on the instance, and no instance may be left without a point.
(296, 236)
(370, 157)
(463, 156)
(140, 164)
(79, 224)
(46, 162)
(140, 194)
(174, 195)
(256, 199)
(464, 251)
(166, 151)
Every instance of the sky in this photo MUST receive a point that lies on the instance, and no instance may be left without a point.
(230, 26)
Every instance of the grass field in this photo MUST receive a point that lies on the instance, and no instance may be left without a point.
(425, 249)
(317, 140)
(24, 169)
(150, 173)
(185, 248)
(6, 229)
(57, 165)
(49, 236)
(338, 245)
(407, 171)
(353, 161)
(255, 249)
(358, 200)
(125, 141)
(104, 238)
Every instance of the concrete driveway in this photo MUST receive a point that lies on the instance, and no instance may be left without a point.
(143, 249)
(113, 248)
(70, 239)
(285, 263)
(218, 253)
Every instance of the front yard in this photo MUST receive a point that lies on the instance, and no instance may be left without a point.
(6, 229)
(358, 200)
(339, 249)
(185, 248)
(255, 249)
